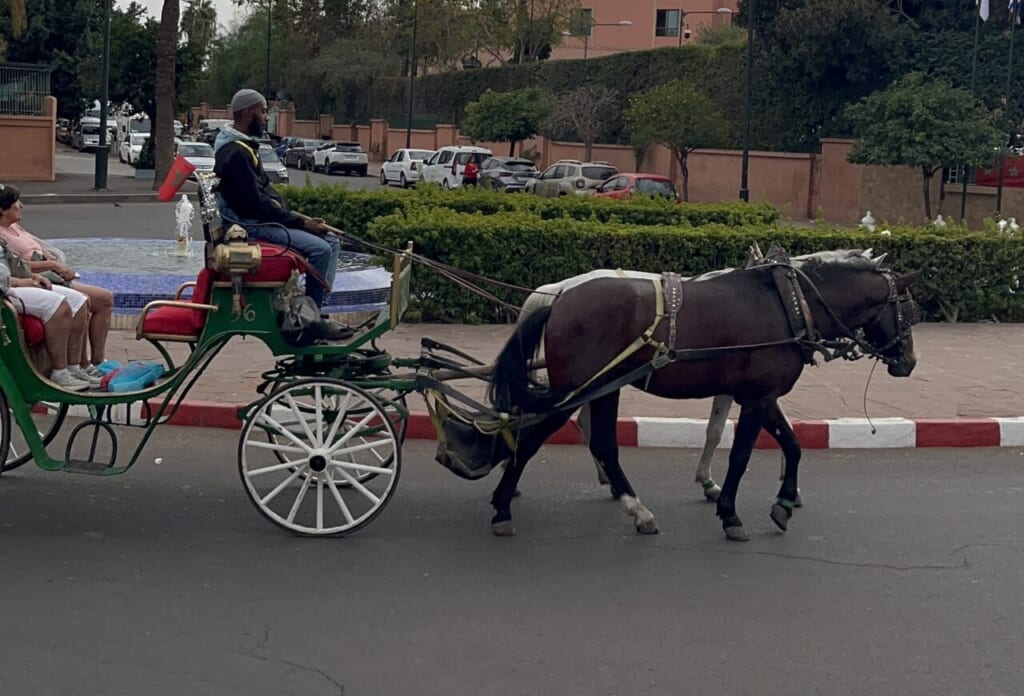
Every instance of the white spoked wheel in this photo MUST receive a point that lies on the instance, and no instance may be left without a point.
(379, 452)
(319, 457)
(48, 417)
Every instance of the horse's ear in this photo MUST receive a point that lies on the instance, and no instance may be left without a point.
(867, 252)
(906, 280)
(879, 259)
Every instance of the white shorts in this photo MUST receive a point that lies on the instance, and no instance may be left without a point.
(43, 304)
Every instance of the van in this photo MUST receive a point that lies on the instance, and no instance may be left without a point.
(445, 167)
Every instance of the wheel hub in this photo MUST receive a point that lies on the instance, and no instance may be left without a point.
(318, 463)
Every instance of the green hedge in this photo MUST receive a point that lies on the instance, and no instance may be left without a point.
(967, 276)
(355, 210)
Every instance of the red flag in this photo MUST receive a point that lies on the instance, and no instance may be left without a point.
(181, 170)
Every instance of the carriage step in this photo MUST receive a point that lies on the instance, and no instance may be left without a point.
(85, 466)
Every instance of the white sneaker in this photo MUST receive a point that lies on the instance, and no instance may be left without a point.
(66, 380)
(83, 375)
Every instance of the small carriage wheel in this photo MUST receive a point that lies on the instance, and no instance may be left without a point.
(387, 399)
(5, 425)
(322, 449)
(49, 417)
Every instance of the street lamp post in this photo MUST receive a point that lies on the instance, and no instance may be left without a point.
(412, 76)
(270, 14)
(586, 37)
(103, 150)
(744, 191)
(683, 13)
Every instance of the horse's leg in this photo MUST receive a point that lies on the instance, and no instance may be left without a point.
(776, 423)
(712, 438)
(529, 442)
(797, 502)
(605, 448)
(742, 446)
(586, 428)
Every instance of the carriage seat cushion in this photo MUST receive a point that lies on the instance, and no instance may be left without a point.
(276, 265)
(32, 328)
(179, 321)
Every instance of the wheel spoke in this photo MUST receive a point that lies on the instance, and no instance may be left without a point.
(278, 467)
(319, 503)
(275, 447)
(357, 448)
(354, 482)
(337, 497)
(265, 420)
(284, 484)
(350, 434)
(313, 440)
(364, 468)
(297, 504)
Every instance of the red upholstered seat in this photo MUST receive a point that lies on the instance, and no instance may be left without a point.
(32, 328)
(277, 264)
(179, 321)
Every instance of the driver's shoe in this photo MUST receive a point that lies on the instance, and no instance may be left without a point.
(328, 330)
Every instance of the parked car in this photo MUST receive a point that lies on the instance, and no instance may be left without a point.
(284, 143)
(507, 174)
(199, 155)
(445, 166)
(626, 185)
(566, 177)
(86, 136)
(63, 134)
(346, 157)
(404, 167)
(272, 165)
(209, 128)
(300, 154)
(131, 148)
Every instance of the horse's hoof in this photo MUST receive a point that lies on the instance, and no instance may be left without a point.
(503, 529)
(616, 495)
(736, 534)
(648, 527)
(798, 501)
(711, 491)
(780, 516)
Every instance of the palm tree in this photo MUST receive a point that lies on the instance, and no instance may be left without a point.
(166, 57)
(19, 18)
(199, 24)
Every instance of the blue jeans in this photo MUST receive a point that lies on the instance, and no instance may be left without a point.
(321, 252)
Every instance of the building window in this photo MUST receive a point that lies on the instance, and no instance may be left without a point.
(667, 23)
(581, 22)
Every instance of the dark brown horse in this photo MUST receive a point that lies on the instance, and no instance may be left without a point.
(747, 334)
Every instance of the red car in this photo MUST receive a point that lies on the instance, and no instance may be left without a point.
(625, 185)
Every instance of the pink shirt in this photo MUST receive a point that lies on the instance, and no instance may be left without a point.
(20, 240)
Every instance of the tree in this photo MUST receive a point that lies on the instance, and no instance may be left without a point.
(584, 113)
(505, 116)
(166, 59)
(923, 122)
(199, 24)
(679, 117)
(525, 28)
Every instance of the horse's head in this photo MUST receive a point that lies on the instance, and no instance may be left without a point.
(871, 305)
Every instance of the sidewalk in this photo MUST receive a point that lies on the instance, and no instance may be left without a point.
(965, 390)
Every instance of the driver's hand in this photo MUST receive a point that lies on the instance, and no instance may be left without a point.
(316, 226)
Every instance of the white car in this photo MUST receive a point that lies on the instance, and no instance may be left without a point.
(131, 147)
(349, 157)
(445, 166)
(199, 155)
(404, 167)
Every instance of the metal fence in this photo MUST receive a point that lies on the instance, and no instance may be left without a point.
(22, 88)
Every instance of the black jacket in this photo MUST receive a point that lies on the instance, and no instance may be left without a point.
(245, 188)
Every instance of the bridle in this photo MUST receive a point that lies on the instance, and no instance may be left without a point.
(855, 344)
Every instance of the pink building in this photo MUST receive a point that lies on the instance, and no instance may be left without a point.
(617, 26)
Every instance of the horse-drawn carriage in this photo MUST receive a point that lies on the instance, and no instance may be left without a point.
(320, 448)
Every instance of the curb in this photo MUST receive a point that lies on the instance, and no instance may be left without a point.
(99, 197)
(681, 433)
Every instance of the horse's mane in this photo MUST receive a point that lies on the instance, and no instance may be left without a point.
(854, 259)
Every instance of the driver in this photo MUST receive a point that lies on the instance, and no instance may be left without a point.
(247, 198)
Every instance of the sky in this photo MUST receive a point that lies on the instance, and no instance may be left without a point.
(226, 9)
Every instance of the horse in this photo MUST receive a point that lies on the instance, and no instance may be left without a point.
(544, 295)
(746, 334)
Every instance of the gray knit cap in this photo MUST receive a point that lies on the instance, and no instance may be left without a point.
(244, 98)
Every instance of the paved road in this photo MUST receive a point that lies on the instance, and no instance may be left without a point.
(901, 576)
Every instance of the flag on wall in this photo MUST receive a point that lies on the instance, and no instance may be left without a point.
(983, 10)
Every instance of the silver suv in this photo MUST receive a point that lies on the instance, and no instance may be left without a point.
(567, 177)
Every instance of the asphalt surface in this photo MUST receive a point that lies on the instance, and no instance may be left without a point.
(901, 575)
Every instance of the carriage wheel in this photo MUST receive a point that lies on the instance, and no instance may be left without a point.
(306, 451)
(5, 425)
(48, 417)
(386, 398)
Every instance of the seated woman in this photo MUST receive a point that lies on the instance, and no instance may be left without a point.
(64, 316)
(42, 258)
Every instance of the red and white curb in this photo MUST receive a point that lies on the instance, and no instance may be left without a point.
(840, 433)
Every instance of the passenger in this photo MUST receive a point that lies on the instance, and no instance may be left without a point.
(247, 198)
(45, 259)
(64, 316)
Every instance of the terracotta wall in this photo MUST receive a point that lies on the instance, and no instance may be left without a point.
(29, 145)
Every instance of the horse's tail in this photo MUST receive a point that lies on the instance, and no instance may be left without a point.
(510, 380)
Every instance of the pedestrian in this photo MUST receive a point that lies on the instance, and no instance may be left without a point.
(247, 198)
(470, 173)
